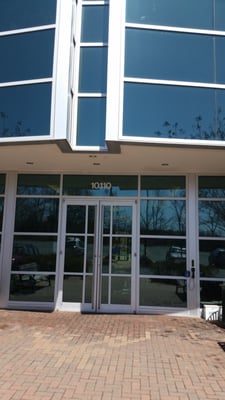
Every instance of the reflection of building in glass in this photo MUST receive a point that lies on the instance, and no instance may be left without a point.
(112, 133)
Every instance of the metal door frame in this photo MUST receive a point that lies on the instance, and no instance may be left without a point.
(96, 305)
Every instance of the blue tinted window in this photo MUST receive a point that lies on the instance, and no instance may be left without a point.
(25, 110)
(100, 185)
(17, 14)
(26, 56)
(93, 65)
(163, 217)
(211, 218)
(36, 215)
(176, 56)
(220, 59)
(219, 15)
(94, 24)
(31, 184)
(183, 13)
(91, 122)
(212, 186)
(173, 112)
(163, 186)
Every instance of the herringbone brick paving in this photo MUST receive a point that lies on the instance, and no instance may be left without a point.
(72, 356)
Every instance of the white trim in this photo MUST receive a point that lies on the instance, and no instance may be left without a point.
(95, 2)
(26, 82)
(89, 94)
(75, 81)
(115, 63)
(174, 83)
(93, 44)
(60, 90)
(27, 30)
(193, 295)
(165, 141)
(209, 32)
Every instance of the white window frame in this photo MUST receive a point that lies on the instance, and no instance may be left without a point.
(116, 79)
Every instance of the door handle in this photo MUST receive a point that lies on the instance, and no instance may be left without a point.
(193, 273)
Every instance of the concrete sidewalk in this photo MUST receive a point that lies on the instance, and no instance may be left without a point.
(69, 356)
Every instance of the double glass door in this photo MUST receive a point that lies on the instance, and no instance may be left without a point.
(98, 256)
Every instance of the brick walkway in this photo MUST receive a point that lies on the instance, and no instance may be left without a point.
(68, 356)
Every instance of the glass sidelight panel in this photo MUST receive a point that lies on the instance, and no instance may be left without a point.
(116, 267)
(120, 290)
(32, 287)
(163, 217)
(163, 292)
(162, 257)
(79, 253)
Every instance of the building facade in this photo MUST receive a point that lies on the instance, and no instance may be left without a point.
(112, 155)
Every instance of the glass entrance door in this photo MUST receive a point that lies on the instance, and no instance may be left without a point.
(98, 256)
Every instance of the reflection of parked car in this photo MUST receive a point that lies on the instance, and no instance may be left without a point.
(24, 256)
(76, 245)
(217, 258)
(176, 254)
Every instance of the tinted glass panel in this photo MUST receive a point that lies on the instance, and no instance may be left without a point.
(88, 289)
(2, 181)
(32, 287)
(219, 14)
(104, 290)
(219, 61)
(212, 292)
(74, 254)
(100, 185)
(38, 184)
(171, 12)
(121, 255)
(105, 255)
(122, 220)
(1, 211)
(72, 289)
(94, 24)
(175, 56)
(93, 63)
(76, 217)
(212, 258)
(25, 13)
(34, 253)
(212, 186)
(36, 215)
(173, 112)
(120, 290)
(163, 217)
(26, 56)
(162, 257)
(163, 186)
(91, 130)
(25, 110)
(212, 218)
(163, 293)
